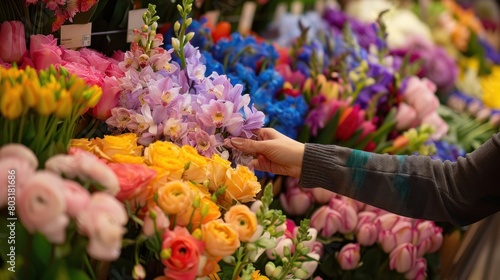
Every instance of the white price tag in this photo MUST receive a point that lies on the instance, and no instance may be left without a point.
(76, 35)
(134, 22)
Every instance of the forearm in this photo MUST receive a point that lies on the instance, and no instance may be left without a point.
(412, 186)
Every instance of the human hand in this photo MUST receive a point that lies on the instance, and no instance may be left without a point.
(274, 152)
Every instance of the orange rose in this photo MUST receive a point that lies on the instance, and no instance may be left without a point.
(242, 185)
(197, 164)
(220, 238)
(243, 220)
(175, 197)
(217, 168)
(83, 144)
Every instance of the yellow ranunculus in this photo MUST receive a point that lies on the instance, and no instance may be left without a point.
(159, 150)
(119, 158)
(197, 168)
(490, 86)
(243, 220)
(217, 168)
(256, 276)
(175, 197)
(123, 144)
(220, 238)
(83, 144)
(242, 185)
(11, 104)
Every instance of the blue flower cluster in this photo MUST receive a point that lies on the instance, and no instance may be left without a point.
(447, 151)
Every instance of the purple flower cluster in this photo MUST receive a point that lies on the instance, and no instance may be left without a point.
(184, 106)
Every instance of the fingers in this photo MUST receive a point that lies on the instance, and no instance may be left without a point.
(267, 133)
(246, 145)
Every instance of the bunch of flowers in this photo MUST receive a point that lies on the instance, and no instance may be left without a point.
(164, 100)
(36, 14)
(360, 240)
(41, 109)
(66, 215)
(186, 214)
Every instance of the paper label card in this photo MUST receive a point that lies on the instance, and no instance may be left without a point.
(76, 35)
(246, 18)
(134, 22)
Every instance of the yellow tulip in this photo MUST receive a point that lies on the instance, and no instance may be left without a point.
(64, 105)
(46, 104)
(92, 95)
(11, 104)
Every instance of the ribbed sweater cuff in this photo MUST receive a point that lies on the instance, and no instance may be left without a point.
(317, 166)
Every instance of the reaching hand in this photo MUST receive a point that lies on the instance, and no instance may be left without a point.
(274, 152)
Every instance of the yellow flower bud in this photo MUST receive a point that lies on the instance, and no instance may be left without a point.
(165, 254)
(93, 95)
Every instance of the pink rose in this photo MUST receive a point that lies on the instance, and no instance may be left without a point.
(109, 99)
(326, 220)
(44, 51)
(77, 197)
(42, 206)
(295, 200)
(13, 44)
(403, 258)
(186, 252)
(134, 180)
(103, 221)
(349, 256)
(162, 222)
(95, 59)
(72, 56)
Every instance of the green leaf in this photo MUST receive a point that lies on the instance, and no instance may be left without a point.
(353, 140)
(328, 132)
(41, 250)
(304, 134)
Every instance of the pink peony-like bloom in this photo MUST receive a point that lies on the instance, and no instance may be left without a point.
(109, 100)
(162, 222)
(13, 46)
(21, 152)
(186, 252)
(41, 206)
(77, 198)
(406, 117)
(44, 51)
(403, 258)
(103, 221)
(134, 180)
(16, 172)
(441, 127)
(327, 221)
(349, 256)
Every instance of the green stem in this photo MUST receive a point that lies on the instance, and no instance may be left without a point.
(40, 16)
(21, 126)
(89, 267)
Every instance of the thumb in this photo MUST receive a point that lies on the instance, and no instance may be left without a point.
(245, 145)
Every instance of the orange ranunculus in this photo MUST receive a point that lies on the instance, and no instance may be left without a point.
(210, 209)
(221, 239)
(134, 182)
(217, 168)
(123, 144)
(185, 254)
(175, 197)
(243, 220)
(197, 164)
(83, 144)
(242, 185)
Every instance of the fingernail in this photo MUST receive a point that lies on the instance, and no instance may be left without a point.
(236, 141)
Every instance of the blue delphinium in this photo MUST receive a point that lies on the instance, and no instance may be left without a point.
(447, 151)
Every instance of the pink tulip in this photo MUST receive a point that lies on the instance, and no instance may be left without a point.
(403, 232)
(366, 217)
(424, 247)
(41, 206)
(295, 200)
(367, 234)
(403, 258)
(356, 205)
(349, 219)
(419, 270)
(13, 44)
(103, 223)
(321, 195)
(406, 117)
(387, 240)
(77, 198)
(349, 256)
(327, 221)
(387, 221)
(162, 222)
(44, 51)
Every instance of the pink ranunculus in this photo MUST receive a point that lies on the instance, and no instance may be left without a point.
(134, 180)
(109, 100)
(367, 234)
(403, 258)
(420, 94)
(186, 252)
(44, 51)
(21, 152)
(42, 206)
(13, 172)
(162, 222)
(62, 164)
(419, 270)
(406, 117)
(13, 44)
(92, 168)
(349, 256)
(326, 220)
(77, 198)
(321, 195)
(387, 240)
(295, 200)
(103, 221)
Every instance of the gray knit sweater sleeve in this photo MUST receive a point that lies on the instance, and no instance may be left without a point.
(459, 192)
